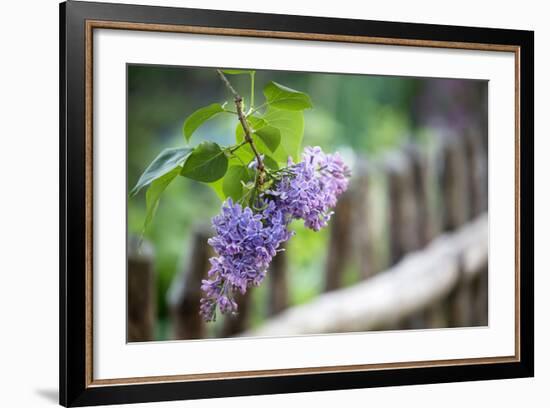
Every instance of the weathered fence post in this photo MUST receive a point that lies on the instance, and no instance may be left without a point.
(362, 228)
(476, 158)
(185, 292)
(278, 285)
(420, 185)
(403, 215)
(460, 302)
(425, 221)
(453, 182)
(481, 298)
(476, 163)
(437, 315)
(141, 295)
(403, 174)
(340, 244)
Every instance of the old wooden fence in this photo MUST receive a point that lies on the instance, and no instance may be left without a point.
(425, 267)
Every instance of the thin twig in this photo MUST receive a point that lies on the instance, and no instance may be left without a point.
(247, 133)
(256, 109)
(234, 149)
(228, 85)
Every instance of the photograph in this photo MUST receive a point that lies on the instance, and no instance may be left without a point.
(274, 204)
(266, 203)
(257, 204)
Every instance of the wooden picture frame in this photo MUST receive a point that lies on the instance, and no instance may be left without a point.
(78, 20)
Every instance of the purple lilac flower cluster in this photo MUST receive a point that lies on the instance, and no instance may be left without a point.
(247, 241)
(313, 187)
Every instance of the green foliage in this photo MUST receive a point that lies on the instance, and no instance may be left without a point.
(152, 196)
(207, 163)
(270, 163)
(291, 128)
(197, 118)
(266, 138)
(270, 136)
(276, 134)
(241, 157)
(217, 187)
(237, 71)
(255, 123)
(235, 182)
(281, 97)
(165, 162)
(279, 134)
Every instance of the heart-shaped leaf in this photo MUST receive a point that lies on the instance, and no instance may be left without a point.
(271, 136)
(270, 163)
(197, 118)
(282, 97)
(268, 135)
(233, 181)
(167, 160)
(154, 191)
(207, 163)
(291, 128)
(241, 157)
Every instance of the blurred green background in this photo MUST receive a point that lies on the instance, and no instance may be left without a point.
(353, 114)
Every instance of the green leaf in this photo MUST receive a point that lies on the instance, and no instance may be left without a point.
(291, 128)
(271, 136)
(281, 97)
(238, 158)
(154, 191)
(167, 160)
(247, 154)
(237, 71)
(207, 163)
(197, 118)
(270, 163)
(217, 186)
(232, 185)
(255, 123)
(242, 156)
(267, 137)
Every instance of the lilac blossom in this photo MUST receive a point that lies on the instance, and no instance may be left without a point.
(312, 187)
(246, 241)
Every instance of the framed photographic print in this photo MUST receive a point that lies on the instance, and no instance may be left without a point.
(256, 203)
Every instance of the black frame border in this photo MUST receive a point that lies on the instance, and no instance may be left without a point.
(72, 328)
